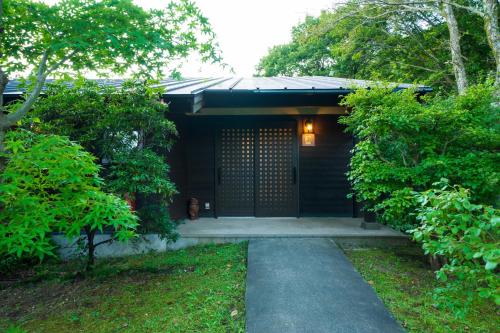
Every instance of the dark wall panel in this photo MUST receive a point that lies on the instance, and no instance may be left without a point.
(200, 163)
(323, 183)
(177, 160)
(192, 165)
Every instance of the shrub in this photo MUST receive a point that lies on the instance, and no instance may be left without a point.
(140, 171)
(142, 174)
(467, 235)
(406, 143)
(126, 129)
(51, 185)
(155, 218)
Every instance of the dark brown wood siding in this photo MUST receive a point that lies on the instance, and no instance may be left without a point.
(323, 185)
(178, 168)
(200, 161)
(323, 182)
(192, 165)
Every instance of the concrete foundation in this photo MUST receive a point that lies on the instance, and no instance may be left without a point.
(346, 232)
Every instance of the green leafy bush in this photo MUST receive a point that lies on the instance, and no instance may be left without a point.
(51, 185)
(127, 130)
(155, 218)
(467, 235)
(142, 174)
(140, 171)
(406, 143)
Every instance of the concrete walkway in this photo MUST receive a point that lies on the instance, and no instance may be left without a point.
(282, 227)
(308, 285)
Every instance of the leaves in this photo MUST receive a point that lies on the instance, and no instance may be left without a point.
(405, 145)
(368, 41)
(463, 233)
(101, 35)
(52, 185)
(407, 154)
(127, 130)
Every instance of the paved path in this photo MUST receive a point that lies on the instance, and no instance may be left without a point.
(282, 227)
(300, 285)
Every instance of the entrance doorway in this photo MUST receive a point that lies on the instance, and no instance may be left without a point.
(256, 170)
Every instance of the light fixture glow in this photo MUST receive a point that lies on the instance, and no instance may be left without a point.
(308, 136)
(308, 140)
(308, 126)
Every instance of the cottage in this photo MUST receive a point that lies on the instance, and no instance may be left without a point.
(263, 147)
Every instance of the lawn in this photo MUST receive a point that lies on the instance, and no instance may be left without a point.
(200, 289)
(403, 280)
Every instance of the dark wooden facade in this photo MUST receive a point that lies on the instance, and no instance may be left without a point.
(239, 152)
(318, 173)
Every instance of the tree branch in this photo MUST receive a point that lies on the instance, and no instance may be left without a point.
(41, 76)
(109, 240)
(61, 62)
(468, 8)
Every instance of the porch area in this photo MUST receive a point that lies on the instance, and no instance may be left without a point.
(346, 231)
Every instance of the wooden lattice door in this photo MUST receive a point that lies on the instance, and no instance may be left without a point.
(235, 172)
(276, 174)
(256, 171)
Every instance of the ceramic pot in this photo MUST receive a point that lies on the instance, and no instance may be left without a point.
(194, 209)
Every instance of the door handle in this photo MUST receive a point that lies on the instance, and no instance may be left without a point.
(219, 171)
(294, 175)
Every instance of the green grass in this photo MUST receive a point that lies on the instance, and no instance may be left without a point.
(200, 289)
(403, 280)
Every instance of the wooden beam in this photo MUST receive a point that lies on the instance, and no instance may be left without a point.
(300, 110)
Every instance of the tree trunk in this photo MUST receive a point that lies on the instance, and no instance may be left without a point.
(3, 116)
(2, 146)
(91, 247)
(493, 34)
(456, 51)
(437, 262)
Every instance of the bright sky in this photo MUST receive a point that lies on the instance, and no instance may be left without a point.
(246, 29)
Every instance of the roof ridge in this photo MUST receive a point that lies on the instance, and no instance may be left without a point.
(316, 79)
(176, 82)
(190, 83)
(290, 79)
(211, 85)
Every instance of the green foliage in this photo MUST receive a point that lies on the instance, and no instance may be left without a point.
(403, 281)
(406, 145)
(468, 236)
(105, 120)
(155, 218)
(140, 171)
(15, 329)
(51, 185)
(127, 130)
(370, 42)
(199, 289)
(307, 54)
(143, 175)
(102, 35)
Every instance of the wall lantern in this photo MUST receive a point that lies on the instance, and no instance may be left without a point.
(308, 137)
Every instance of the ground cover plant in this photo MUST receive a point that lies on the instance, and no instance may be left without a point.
(200, 289)
(404, 281)
(466, 238)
